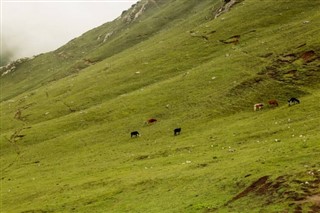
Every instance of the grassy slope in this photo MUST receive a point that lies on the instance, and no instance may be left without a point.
(91, 48)
(77, 155)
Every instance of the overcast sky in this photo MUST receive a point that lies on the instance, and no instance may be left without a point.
(32, 27)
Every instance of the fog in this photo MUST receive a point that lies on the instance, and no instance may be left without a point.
(32, 27)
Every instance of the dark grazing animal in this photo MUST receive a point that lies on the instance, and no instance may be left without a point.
(135, 134)
(151, 121)
(293, 101)
(273, 103)
(177, 131)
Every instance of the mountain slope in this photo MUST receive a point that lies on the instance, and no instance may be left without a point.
(97, 44)
(66, 116)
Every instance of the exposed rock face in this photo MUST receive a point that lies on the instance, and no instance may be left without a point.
(228, 4)
(4, 70)
(137, 10)
(108, 35)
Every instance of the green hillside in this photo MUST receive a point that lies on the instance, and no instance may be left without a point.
(66, 116)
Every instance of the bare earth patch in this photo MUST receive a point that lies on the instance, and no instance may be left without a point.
(300, 190)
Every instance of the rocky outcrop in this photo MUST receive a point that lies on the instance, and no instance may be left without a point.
(228, 4)
(137, 10)
(108, 35)
(4, 70)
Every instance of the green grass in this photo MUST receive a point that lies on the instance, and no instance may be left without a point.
(76, 154)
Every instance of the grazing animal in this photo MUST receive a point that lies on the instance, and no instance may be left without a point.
(135, 134)
(151, 121)
(258, 106)
(177, 131)
(273, 103)
(293, 101)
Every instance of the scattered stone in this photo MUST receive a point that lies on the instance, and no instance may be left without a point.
(230, 149)
(311, 173)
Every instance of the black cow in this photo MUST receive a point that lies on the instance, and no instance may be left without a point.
(293, 101)
(177, 131)
(135, 134)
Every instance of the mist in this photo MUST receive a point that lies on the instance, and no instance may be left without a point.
(30, 28)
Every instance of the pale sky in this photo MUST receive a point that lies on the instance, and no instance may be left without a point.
(32, 27)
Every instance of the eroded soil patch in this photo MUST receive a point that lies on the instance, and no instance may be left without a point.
(290, 70)
(301, 68)
(301, 191)
(232, 40)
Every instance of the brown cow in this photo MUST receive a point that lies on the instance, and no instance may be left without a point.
(273, 103)
(151, 121)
